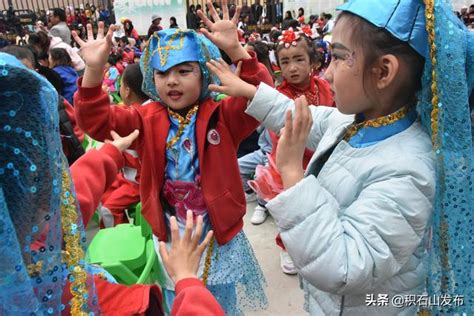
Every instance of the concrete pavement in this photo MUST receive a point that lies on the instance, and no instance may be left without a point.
(284, 294)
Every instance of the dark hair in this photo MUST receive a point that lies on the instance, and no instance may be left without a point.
(58, 12)
(60, 57)
(262, 50)
(114, 58)
(124, 39)
(327, 16)
(376, 42)
(132, 77)
(300, 11)
(173, 20)
(288, 14)
(313, 54)
(293, 24)
(274, 35)
(40, 40)
(128, 30)
(20, 52)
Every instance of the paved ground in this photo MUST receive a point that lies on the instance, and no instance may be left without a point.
(284, 295)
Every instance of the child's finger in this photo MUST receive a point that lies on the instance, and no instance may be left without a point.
(204, 19)
(130, 138)
(90, 33)
(100, 30)
(164, 254)
(207, 34)
(225, 10)
(216, 64)
(223, 64)
(77, 38)
(197, 233)
(174, 232)
(188, 231)
(238, 70)
(212, 68)
(235, 19)
(206, 241)
(110, 32)
(114, 135)
(213, 11)
(289, 123)
(216, 88)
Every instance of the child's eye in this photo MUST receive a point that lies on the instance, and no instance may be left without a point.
(185, 71)
(159, 73)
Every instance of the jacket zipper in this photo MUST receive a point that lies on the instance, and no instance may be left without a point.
(342, 306)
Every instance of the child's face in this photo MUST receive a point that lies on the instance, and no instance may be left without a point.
(295, 64)
(180, 86)
(345, 73)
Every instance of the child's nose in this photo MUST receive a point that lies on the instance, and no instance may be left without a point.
(328, 74)
(172, 79)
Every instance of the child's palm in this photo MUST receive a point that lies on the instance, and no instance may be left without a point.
(95, 51)
(224, 31)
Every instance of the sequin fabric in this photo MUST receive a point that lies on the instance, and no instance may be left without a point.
(31, 187)
(450, 260)
(206, 51)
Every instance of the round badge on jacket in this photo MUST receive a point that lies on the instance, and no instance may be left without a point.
(213, 137)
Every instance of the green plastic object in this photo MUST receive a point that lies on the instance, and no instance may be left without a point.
(141, 221)
(127, 252)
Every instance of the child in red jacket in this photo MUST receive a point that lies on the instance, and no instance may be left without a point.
(187, 146)
(125, 190)
(94, 172)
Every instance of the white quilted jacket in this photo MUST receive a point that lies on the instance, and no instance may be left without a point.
(359, 227)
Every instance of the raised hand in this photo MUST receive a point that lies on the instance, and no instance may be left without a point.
(231, 84)
(224, 31)
(95, 51)
(292, 143)
(182, 260)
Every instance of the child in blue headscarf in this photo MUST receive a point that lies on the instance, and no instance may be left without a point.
(357, 221)
(187, 145)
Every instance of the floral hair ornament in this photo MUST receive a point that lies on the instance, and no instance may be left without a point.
(290, 37)
(306, 30)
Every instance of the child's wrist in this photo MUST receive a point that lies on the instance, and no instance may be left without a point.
(291, 176)
(249, 91)
(183, 276)
(237, 53)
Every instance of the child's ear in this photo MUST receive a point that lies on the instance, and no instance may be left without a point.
(127, 92)
(386, 70)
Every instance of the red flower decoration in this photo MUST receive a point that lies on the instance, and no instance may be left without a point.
(306, 30)
(289, 37)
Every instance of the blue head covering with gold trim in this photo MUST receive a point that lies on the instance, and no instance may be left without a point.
(172, 47)
(403, 19)
(42, 237)
(444, 109)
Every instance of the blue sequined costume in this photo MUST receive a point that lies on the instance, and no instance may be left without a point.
(35, 185)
